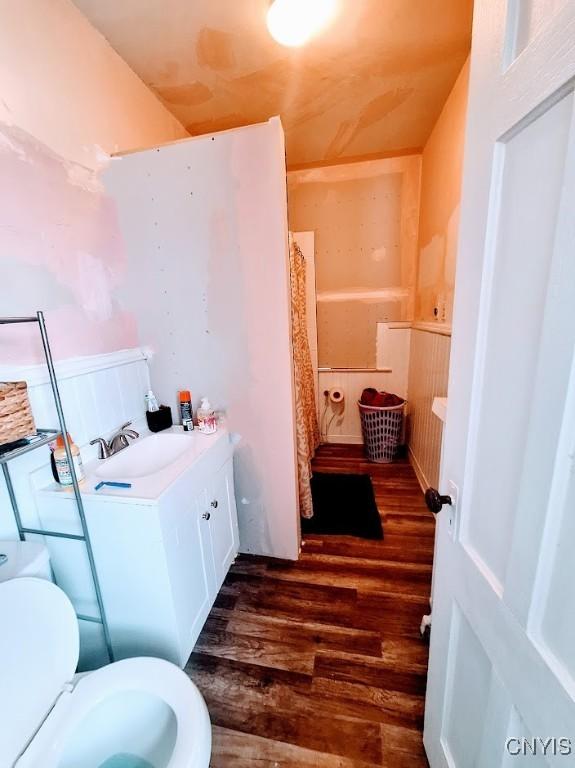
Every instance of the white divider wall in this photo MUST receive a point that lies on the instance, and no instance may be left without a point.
(205, 226)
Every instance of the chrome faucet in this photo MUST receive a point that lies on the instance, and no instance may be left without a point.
(117, 442)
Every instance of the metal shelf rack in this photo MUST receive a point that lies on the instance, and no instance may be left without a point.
(43, 437)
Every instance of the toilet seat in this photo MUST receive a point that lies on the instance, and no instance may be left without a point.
(48, 717)
(157, 677)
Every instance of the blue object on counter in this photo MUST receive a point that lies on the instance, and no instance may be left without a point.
(112, 484)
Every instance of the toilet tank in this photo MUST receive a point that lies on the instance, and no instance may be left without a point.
(24, 558)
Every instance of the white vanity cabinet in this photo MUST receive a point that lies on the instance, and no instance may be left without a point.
(162, 549)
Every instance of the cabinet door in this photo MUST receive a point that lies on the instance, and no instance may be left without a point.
(223, 522)
(203, 522)
(191, 573)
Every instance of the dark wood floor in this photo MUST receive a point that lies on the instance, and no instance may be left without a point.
(319, 664)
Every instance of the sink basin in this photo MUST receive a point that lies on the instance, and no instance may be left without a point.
(145, 457)
(151, 465)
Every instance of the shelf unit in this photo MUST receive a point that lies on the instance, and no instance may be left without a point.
(43, 437)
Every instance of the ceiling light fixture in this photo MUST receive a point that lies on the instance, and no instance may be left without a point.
(295, 22)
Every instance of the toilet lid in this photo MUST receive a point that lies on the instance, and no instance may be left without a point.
(39, 646)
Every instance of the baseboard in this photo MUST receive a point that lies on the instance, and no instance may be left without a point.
(420, 474)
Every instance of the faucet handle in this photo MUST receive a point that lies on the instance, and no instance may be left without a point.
(103, 447)
(130, 432)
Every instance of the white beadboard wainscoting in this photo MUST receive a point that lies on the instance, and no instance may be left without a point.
(391, 375)
(428, 374)
(99, 393)
(345, 422)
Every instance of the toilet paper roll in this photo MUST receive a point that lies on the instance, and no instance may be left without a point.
(336, 395)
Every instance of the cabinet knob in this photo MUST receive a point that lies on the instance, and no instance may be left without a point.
(215, 503)
(435, 500)
(206, 515)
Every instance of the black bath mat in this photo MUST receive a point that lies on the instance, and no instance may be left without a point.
(344, 505)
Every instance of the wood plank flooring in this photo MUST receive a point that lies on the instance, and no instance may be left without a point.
(319, 663)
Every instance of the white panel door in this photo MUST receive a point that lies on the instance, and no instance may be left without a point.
(502, 665)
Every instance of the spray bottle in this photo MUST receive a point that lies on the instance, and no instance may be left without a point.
(186, 413)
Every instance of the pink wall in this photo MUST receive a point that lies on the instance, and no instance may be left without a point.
(61, 252)
(68, 101)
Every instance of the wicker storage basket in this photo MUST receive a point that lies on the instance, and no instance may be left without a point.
(16, 420)
(382, 430)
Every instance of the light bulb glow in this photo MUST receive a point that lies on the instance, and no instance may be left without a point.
(294, 22)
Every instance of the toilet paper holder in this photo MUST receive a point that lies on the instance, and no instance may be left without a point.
(335, 395)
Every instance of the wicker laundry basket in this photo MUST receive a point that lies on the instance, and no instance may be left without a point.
(16, 420)
(382, 430)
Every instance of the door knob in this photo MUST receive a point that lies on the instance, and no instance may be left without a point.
(215, 503)
(206, 515)
(435, 500)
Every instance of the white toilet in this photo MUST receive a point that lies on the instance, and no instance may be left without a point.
(135, 713)
(24, 558)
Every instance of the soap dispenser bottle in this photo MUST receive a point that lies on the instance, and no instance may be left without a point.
(206, 417)
(61, 461)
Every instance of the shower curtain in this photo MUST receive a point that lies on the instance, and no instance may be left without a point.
(307, 430)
